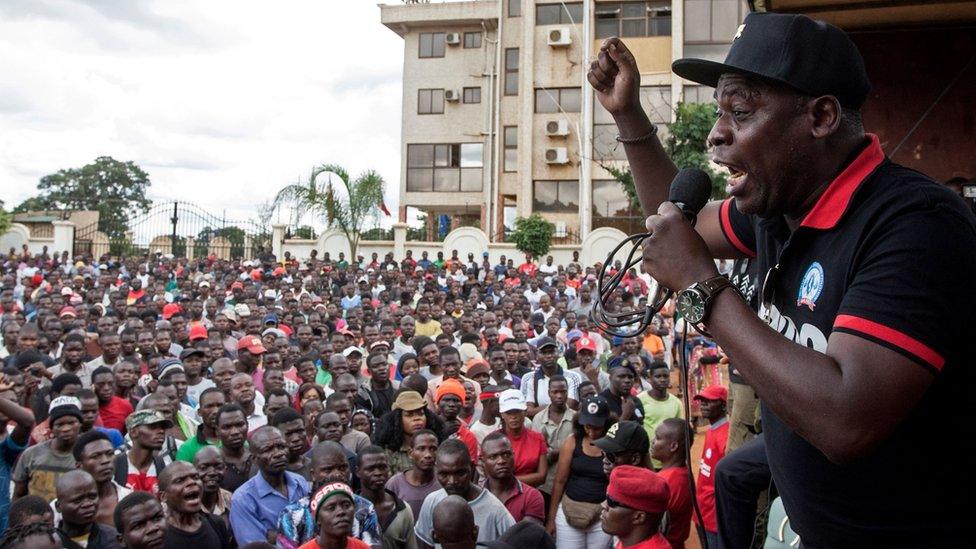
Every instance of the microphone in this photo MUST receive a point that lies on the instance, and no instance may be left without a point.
(690, 191)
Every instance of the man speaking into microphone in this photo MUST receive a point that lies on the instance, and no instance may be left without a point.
(860, 353)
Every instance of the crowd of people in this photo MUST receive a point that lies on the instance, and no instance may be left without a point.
(156, 401)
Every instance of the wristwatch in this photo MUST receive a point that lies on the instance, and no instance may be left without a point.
(694, 302)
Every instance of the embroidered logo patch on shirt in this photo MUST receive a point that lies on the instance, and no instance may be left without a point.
(811, 286)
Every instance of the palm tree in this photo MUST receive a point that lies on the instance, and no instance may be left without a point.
(345, 204)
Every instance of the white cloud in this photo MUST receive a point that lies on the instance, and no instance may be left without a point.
(221, 102)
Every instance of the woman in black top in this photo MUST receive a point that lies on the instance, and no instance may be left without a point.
(580, 485)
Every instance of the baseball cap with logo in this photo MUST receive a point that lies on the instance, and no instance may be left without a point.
(594, 411)
(812, 57)
(624, 436)
(510, 400)
(585, 343)
(252, 344)
(170, 309)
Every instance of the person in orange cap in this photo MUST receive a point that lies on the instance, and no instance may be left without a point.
(450, 397)
(637, 499)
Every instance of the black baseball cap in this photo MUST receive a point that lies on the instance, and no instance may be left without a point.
(812, 57)
(625, 436)
(546, 342)
(594, 411)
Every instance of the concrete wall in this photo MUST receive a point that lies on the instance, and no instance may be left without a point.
(465, 240)
(19, 234)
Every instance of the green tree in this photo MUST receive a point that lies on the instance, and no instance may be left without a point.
(5, 219)
(533, 235)
(346, 204)
(687, 141)
(687, 144)
(113, 188)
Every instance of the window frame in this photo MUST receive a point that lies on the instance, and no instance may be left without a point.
(507, 146)
(515, 8)
(433, 49)
(430, 101)
(446, 159)
(472, 89)
(615, 13)
(464, 40)
(560, 183)
(564, 17)
(512, 74)
(558, 93)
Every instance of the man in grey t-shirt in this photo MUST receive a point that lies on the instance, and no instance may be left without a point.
(454, 471)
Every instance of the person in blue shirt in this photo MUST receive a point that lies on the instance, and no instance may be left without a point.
(257, 504)
(11, 445)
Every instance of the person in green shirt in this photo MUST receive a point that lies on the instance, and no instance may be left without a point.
(659, 404)
(210, 401)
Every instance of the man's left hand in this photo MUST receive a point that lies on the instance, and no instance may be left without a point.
(675, 255)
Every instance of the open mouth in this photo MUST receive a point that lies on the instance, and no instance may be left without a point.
(192, 496)
(736, 178)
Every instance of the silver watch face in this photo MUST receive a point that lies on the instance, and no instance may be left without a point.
(691, 305)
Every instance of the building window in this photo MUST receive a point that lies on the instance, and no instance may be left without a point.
(511, 148)
(570, 13)
(612, 208)
(555, 196)
(515, 8)
(713, 21)
(633, 19)
(432, 44)
(511, 71)
(472, 95)
(472, 40)
(448, 167)
(550, 100)
(430, 101)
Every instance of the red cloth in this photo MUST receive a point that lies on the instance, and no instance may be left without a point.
(467, 437)
(529, 448)
(679, 505)
(524, 501)
(657, 541)
(528, 269)
(712, 452)
(351, 543)
(114, 413)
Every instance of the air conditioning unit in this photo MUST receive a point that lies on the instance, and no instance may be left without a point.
(557, 155)
(559, 37)
(452, 95)
(557, 128)
(452, 38)
(560, 229)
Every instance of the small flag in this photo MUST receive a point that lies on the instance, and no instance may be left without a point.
(383, 208)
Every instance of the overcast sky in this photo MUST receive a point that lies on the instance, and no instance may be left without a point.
(221, 102)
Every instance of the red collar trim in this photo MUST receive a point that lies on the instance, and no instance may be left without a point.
(832, 204)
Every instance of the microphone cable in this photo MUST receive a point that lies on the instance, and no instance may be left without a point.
(686, 404)
(625, 323)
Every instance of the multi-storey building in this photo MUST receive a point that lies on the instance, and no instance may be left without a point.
(499, 122)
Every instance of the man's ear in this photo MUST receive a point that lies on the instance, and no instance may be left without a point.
(434, 536)
(825, 116)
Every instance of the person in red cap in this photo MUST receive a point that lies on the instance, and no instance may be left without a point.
(712, 401)
(170, 309)
(637, 499)
(249, 352)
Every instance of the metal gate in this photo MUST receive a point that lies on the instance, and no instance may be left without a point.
(182, 229)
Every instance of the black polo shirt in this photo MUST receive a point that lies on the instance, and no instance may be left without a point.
(888, 255)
